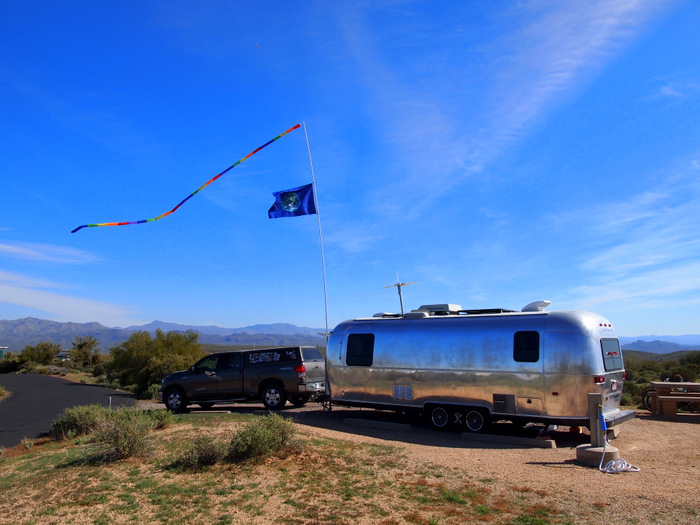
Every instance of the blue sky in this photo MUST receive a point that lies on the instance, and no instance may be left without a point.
(496, 153)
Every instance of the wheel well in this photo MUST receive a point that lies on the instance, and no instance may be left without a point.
(457, 407)
(264, 384)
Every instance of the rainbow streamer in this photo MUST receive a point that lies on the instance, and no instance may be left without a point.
(193, 193)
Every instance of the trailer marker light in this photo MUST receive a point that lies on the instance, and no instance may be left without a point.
(555, 393)
(599, 380)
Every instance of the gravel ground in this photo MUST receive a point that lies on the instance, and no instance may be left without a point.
(665, 490)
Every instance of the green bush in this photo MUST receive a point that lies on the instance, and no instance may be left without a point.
(42, 353)
(204, 453)
(124, 434)
(262, 437)
(151, 392)
(100, 369)
(2, 391)
(160, 418)
(8, 365)
(78, 421)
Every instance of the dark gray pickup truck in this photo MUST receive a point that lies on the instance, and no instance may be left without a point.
(271, 375)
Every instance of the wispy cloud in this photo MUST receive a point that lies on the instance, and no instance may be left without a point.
(24, 281)
(23, 290)
(648, 248)
(64, 307)
(550, 51)
(679, 90)
(46, 252)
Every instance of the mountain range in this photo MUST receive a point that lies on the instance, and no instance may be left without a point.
(29, 331)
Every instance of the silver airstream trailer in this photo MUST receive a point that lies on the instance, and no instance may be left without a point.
(469, 367)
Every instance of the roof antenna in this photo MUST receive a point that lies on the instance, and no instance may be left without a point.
(398, 285)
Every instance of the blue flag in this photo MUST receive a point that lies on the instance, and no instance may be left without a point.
(294, 202)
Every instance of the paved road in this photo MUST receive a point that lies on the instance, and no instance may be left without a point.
(37, 400)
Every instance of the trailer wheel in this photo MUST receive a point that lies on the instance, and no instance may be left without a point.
(440, 417)
(476, 421)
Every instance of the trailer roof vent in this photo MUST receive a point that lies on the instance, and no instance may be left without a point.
(416, 314)
(440, 309)
(536, 306)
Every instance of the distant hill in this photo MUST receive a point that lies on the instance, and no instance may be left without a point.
(683, 340)
(658, 347)
(29, 331)
(651, 356)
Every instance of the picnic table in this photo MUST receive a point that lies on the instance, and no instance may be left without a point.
(668, 394)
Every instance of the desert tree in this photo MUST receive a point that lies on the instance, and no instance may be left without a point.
(85, 351)
(42, 353)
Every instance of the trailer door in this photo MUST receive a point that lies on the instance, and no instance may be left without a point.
(527, 354)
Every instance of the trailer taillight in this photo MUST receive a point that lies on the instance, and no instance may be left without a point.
(624, 375)
(300, 369)
(599, 380)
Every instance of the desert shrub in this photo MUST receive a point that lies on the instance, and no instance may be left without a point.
(627, 400)
(78, 421)
(29, 367)
(100, 369)
(262, 437)
(151, 392)
(2, 391)
(53, 370)
(9, 365)
(204, 453)
(123, 434)
(160, 418)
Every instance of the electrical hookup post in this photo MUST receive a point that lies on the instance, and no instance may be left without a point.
(599, 453)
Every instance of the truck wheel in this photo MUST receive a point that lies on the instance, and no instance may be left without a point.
(273, 396)
(175, 399)
(440, 417)
(476, 421)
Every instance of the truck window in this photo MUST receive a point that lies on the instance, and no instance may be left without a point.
(526, 347)
(311, 354)
(272, 356)
(360, 350)
(228, 361)
(208, 363)
(612, 355)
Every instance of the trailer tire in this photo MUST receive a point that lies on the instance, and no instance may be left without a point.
(476, 420)
(440, 417)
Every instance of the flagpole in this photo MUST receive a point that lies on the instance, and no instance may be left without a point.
(320, 236)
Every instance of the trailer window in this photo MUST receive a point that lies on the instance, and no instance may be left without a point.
(612, 355)
(360, 350)
(526, 347)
